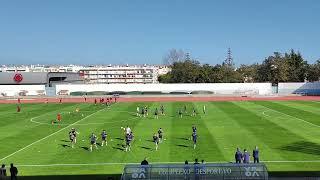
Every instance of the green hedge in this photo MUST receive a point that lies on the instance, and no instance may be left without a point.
(78, 93)
(177, 92)
(97, 93)
(202, 92)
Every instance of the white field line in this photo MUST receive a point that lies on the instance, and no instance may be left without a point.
(102, 164)
(48, 136)
(288, 116)
(85, 124)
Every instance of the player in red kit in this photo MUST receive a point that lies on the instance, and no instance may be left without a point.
(95, 101)
(19, 101)
(60, 100)
(18, 108)
(58, 117)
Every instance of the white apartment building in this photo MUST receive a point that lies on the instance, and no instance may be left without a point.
(143, 74)
(101, 74)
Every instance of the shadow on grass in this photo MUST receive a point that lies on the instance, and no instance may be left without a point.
(119, 148)
(181, 145)
(149, 140)
(181, 138)
(85, 148)
(119, 138)
(144, 147)
(63, 140)
(303, 147)
(64, 145)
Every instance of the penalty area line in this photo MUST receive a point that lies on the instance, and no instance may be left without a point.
(48, 136)
(102, 164)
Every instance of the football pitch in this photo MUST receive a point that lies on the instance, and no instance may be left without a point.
(286, 132)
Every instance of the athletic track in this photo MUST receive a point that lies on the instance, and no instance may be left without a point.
(69, 99)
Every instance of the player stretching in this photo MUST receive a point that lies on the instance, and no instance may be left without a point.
(194, 139)
(156, 140)
(104, 138)
(160, 135)
(93, 141)
(156, 114)
(162, 109)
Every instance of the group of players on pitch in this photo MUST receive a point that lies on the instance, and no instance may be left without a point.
(128, 134)
(144, 111)
(128, 137)
(93, 138)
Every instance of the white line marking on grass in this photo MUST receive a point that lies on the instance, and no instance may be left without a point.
(110, 163)
(48, 136)
(264, 113)
(85, 124)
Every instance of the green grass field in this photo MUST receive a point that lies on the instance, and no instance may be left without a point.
(287, 134)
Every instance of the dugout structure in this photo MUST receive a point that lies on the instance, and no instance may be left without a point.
(221, 171)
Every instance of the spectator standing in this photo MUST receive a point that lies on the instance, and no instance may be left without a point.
(238, 156)
(255, 155)
(144, 162)
(3, 171)
(13, 172)
(246, 156)
(186, 170)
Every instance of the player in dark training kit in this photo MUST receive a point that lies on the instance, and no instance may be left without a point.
(146, 111)
(193, 112)
(160, 135)
(162, 109)
(194, 139)
(104, 138)
(156, 140)
(156, 112)
(93, 141)
(72, 139)
(74, 132)
(194, 128)
(180, 113)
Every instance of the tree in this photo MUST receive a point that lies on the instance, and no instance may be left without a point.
(313, 71)
(297, 67)
(173, 56)
(248, 73)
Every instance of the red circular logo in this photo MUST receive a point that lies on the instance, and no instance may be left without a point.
(18, 77)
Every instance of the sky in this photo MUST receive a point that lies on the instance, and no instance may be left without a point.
(143, 31)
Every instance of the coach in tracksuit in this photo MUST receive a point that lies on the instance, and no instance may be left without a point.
(255, 155)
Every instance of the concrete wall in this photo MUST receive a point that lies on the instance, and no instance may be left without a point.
(217, 88)
(14, 90)
(31, 78)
